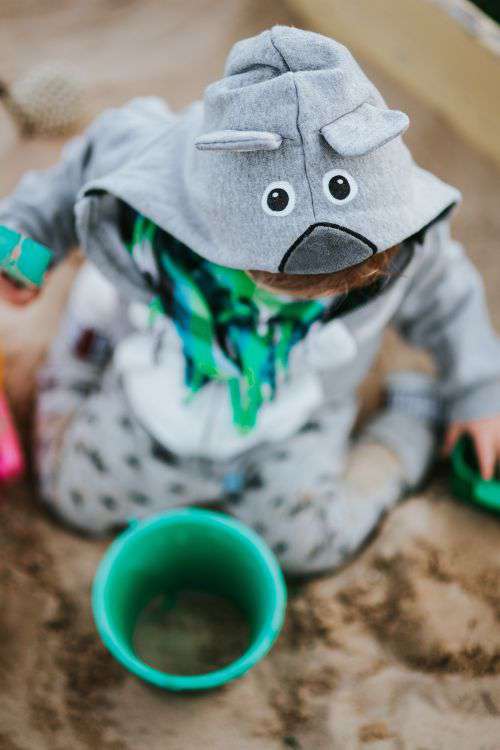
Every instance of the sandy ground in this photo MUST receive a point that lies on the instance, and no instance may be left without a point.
(401, 649)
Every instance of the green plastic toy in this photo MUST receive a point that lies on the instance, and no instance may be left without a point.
(188, 549)
(23, 259)
(466, 480)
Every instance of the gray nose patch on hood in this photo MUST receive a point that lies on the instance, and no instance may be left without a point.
(328, 247)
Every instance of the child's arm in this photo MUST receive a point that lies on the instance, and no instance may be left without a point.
(37, 225)
(42, 206)
(445, 312)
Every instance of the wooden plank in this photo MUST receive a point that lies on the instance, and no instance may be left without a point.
(422, 47)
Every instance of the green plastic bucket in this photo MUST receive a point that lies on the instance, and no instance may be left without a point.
(188, 549)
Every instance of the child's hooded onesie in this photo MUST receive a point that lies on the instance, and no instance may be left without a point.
(291, 163)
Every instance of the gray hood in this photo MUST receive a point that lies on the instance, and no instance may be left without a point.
(292, 163)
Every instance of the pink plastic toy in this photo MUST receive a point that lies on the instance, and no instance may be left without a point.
(11, 457)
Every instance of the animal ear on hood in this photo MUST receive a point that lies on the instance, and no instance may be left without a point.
(364, 129)
(238, 140)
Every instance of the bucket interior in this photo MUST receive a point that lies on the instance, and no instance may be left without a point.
(167, 559)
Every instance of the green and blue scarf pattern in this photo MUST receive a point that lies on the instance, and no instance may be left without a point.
(231, 329)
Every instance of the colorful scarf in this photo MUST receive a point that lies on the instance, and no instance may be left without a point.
(231, 329)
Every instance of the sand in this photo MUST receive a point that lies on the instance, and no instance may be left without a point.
(401, 648)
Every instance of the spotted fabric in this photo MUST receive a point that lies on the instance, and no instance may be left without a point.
(99, 469)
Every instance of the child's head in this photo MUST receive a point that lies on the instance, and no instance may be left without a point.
(300, 169)
(313, 286)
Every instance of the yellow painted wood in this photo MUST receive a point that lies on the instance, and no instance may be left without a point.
(422, 47)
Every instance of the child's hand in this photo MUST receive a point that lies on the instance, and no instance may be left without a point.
(23, 264)
(485, 434)
(15, 293)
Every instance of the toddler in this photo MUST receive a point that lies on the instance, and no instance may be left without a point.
(244, 258)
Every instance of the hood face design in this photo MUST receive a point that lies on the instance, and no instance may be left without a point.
(292, 163)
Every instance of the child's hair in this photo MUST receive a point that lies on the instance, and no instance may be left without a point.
(309, 286)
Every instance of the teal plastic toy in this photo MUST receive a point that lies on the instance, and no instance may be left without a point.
(22, 258)
(188, 549)
(466, 480)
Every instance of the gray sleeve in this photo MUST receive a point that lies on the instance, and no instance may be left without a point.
(42, 205)
(445, 312)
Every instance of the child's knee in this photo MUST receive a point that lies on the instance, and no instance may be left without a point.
(86, 494)
(304, 546)
(319, 557)
(75, 481)
(67, 508)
